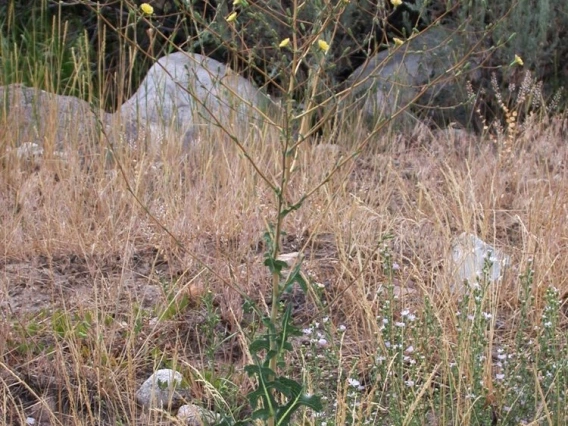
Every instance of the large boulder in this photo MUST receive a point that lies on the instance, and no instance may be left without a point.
(34, 117)
(427, 72)
(187, 93)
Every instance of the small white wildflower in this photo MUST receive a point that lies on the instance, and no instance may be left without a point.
(322, 342)
(400, 324)
(487, 315)
(409, 350)
(307, 331)
(388, 344)
(499, 376)
(409, 383)
(395, 266)
(325, 320)
(408, 360)
(342, 327)
(385, 320)
(354, 382)
(380, 359)
(411, 317)
(471, 317)
(404, 313)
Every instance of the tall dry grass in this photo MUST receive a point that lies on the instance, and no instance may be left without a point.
(78, 248)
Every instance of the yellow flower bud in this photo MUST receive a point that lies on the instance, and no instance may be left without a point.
(146, 9)
(284, 42)
(323, 45)
(237, 2)
(397, 41)
(517, 61)
(396, 3)
(232, 17)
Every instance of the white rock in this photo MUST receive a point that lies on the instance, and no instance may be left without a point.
(193, 415)
(468, 258)
(191, 92)
(29, 151)
(160, 389)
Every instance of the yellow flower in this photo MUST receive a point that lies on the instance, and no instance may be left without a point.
(284, 42)
(396, 3)
(146, 9)
(517, 61)
(237, 2)
(397, 41)
(232, 17)
(323, 45)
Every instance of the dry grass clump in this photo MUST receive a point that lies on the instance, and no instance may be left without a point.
(120, 261)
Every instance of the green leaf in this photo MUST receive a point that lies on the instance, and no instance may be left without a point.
(257, 370)
(293, 207)
(288, 387)
(259, 345)
(295, 277)
(261, 414)
(311, 401)
(275, 265)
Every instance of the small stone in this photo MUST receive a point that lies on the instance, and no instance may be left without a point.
(193, 415)
(29, 151)
(161, 389)
(468, 258)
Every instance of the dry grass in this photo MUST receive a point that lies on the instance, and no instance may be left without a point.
(96, 247)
